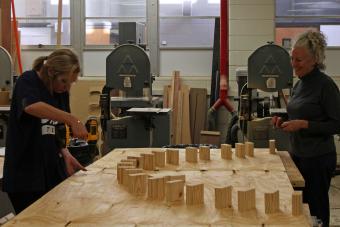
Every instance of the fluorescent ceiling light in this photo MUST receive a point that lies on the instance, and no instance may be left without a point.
(214, 1)
(173, 2)
(55, 2)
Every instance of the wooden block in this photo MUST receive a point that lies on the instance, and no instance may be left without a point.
(129, 161)
(272, 147)
(135, 158)
(191, 154)
(204, 152)
(240, 151)
(120, 170)
(174, 190)
(210, 137)
(172, 156)
(137, 183)
(126, 172)
(223, 197)
(246, 200)
(174, 177)
(297, 204)
(159, 158)
(141, 161)
(272, 202)
(249, 146)
(125, 164)
(156, 188)
(149, 162)
(226, 152)
(195, 194)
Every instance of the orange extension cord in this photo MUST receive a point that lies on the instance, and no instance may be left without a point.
(16, 34)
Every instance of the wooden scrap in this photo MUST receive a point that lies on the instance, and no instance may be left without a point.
(149, 162)
(191, 154)
(204, 153)
(223, 197)
(272, 147)
(137, 183)
(159, 158)
(195, 194)
(246, 200)
(137, 160)
(120, 170)
(297, 204)
(271, 202)
(174, 190)
(249, 146)
(126, 172)
(226, 152)
(156, 188)
(240, 151)
(172, 156)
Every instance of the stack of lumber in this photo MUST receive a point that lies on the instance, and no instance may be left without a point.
(189, 107)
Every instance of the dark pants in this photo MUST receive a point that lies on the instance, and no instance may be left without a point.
(317, 172)
(22, 200)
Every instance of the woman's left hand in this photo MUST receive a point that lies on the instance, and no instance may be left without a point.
(72, 164)
(294, 125)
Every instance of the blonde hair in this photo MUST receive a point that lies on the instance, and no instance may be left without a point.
(60, 61)
(315, 43)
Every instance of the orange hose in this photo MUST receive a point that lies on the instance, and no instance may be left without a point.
(15, 29)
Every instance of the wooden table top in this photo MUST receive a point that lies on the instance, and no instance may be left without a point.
(94, 198)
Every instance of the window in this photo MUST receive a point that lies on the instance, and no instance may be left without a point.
(296, 16)
(37, 22)
(187, 23)
(102, 19)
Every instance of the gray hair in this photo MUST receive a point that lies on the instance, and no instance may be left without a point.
(315, 43)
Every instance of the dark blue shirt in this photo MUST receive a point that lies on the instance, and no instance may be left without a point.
(315, 98)
(32, 159)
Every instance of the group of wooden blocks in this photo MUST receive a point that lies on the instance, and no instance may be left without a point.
(130, 173)
(246, 200)
(243, 149)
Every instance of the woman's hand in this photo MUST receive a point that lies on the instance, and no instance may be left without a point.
(72, 164)
(78, 130)
(294, 125)
(276, 121)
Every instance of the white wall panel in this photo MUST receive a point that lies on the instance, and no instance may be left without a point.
(188, 62)
(266, 12)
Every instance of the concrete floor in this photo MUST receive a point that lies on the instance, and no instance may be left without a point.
(334, 197)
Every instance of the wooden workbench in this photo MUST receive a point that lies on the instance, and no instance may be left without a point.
(94, 198)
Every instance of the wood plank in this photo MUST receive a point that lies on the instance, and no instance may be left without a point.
(186, 134)
(173, 103)
(166, 96)
(179, 118)
(198, 112)
(293, 172)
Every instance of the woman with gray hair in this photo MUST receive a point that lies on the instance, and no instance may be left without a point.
(314, 117)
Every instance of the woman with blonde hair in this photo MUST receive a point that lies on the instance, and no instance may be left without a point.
(34, 160)
(314, 117)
